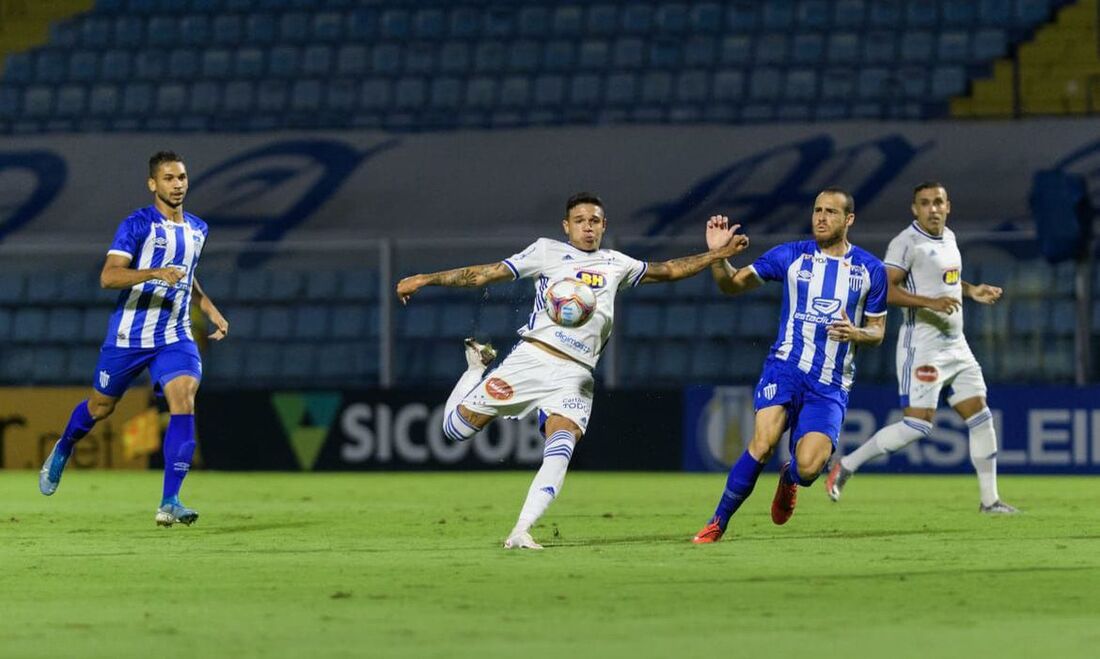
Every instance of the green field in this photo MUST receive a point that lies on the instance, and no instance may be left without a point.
(361, 565)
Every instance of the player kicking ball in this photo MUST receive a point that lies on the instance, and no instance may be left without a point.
(834, 300)
(925, 271)
(550, 368)
(152, 261)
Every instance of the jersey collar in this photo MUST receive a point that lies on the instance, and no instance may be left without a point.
(924, 233)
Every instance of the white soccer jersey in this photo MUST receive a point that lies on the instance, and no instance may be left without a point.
(933, 267)
(605, 270)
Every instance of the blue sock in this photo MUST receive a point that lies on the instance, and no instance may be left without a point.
(179, 447)
(739, 484)
(80, 422)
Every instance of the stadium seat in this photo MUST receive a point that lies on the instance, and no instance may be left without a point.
(223, 363)
(351, 60)
(50, 66)
(875, 83)
(917, 47)
(771, 49)
(464, 23)
(989, 44)
(777, 15)
(129, 30)
(284, 62)
(83, 66)
(765, 84)
(216, 64)
(603, 20)
(71, 101)
(271, 96)
(48, 366)
(226, 30)
(656, 88)
(533, 21)
(921, 14)
(239, 97)
(204, 98)
(515, 92)
(549, 91)
(95, 31)
(362, 24)
(64, 324)
(274, 323)
(327, 27)
(558, 55)
(115, 65)
(692, 87)
(429, 24)
(294, 28)
(699, 51)
(310, 322)
(948, 81)
(880, 47)
(419, 60)
(807, 48)
(995, 13)
(843, 48)
(80, 363)
(671, 19)
(93, 324)
(736, 51)
(728, 86)
(262, 362)
(171, 99)
(593, 55)
(885, 13)
(743, 17)
(194, 30)
(643, 320)
(162, 31)
(5, 324)
(298, 361)
(801, 85)
(253, 285)
(954, 47)
(29, 325)
(481, 93)
(628, 53)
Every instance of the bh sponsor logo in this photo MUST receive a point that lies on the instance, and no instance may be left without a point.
(952, 277)
(595, 280)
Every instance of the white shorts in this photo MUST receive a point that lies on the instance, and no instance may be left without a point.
(531, 378)
(924, 371)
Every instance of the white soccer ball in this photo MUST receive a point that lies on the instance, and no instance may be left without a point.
(570, 302)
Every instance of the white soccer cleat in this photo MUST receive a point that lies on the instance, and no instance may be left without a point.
(479, 355)
(521, 541)
(998, 507)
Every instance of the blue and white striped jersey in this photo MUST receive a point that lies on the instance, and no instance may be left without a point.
(817, 287)
(153, 314)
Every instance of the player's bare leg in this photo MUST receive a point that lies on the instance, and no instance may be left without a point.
(85, 415)
(179, 448)
(459, 423)
(916, 423)
(770, 423)
(983, 454)
(811, 453)
(562, 436)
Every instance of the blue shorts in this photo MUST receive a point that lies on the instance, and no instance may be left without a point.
(118, 367)
(811, 406)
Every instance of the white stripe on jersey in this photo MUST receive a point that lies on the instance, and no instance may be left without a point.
(159, 291)
(145, 258)
(809, 330)
(792, 297)
(183, 302)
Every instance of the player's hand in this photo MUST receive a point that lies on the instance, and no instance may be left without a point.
(945, 304)
(222, 325)
(986, 294)
(171, 276)
(408, 286)
(842, 330)
(723, 237)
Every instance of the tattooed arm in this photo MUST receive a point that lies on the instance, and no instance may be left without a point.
(473, 276)
(691, 265)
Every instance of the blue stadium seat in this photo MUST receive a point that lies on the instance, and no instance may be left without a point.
(83, 66)
(843, 48)
(1063, 318)
(743, 17)
(489, 57)
(216, 64)
(271, 96)
(585, 90)
(917, 47)
(49, 366)
(558, 55)
(359, 285)
(18, 68)
(63, 324)
(96, 31)
(362, 24)
(989, 44)
(299, 360)
(807, 48)
(456, 320)
(995, 13)
(464, 23)
(922, 14)
(728, 86)
(515, 92)
(913, 81)
(813, 14)
(454, 57)
(445, 93)
(671, 19)
(567, 20)
(171, 98)
(250, 62)
(29, 325)
(386, 59)
(261, 362)
(886, 13)
(705, 18)
(305, 100)
(692, 87)
(874, 83)
(16, 366)
(419, 59)
(5, 324)
(837, 84)
(777, 15)
(12, 287)
(481, 93)
(38, 102)
(284, 62)
(959, 13)
(758, 320)
(699, 51)
(65, 34)
(765, 84)
(183, 63)
(1030, 13)
(226, 30)
(708, 360)
(681, 321)
(50, 66)
(194, 30)
(429, 24)
(593, 55)
(162, 31)
(79, 286)
(11, 101)
(239, 97)
(801, 85)
(664, 53)
(310, 322)
(656, 88)
(736, 50)
(93, 324)
(150, 64)
(603, 20)
(621, 90)
(409, 93)
(375, 94)
(275, 323)
(418, 322)
(317, 61)
(495, 321)
(354, 321)
(244, 322)
(328, 27)
(80, 363)
(336, 360)
(351, 60)
(880, 47)
(253, 285)
(637, 18)
(643, 320)
(115, 65)
(533, 21)
(260, 30)
(71, 101)
(771, 49)
(224, 362)
(549, 91)
(294, 27)
(948, 81)
(628, 53)
(954, 47)
(129, 30)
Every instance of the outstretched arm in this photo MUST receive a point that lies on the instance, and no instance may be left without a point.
(729, 245)
(730, 280)
(473, 276)
(874, 328)
(899, 297)
(983, 293)
(211, 311)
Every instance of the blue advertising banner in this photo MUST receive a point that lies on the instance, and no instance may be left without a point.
(1040, 430)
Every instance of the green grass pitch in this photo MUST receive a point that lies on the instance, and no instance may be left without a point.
(410, 565)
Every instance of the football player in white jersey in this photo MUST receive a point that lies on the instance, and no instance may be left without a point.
(834, 301)
(925, 270)
(152, 263)
(550, 369)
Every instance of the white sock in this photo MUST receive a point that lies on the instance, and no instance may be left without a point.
(547, 483)
(887, 440)
(454, 425)
(983, 454)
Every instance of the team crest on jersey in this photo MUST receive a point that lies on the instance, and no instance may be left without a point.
(952, 276)
(499, 389)
(825, 305)
(855, 282)
(927, 373)
(595, 280)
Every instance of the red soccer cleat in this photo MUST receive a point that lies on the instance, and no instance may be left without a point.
(710, 533)
(786, 496)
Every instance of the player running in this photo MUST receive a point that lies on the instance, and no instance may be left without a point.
(834, 300)
(925, 271)
(550, 368)
(152, 261)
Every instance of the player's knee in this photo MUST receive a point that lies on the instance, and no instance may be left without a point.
(101, 409)
(182, 404)
(458, 428)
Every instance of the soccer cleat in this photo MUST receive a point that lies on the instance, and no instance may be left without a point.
(170, 513)
(998, 507)
(712, 532)
(479, 355)
(836, 479)
(49, 478)
(521, 541)
(786, 496)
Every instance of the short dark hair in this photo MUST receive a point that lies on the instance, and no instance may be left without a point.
(159, 158)
(583, 198)
(928, 185)
(849, 201)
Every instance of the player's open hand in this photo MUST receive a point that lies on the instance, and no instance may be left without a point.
(220, 323)
(945, 304)
(408, 286)
(723, 237)
(842, 330)
(985, 293)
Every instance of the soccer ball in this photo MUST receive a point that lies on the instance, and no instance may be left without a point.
(570, 302)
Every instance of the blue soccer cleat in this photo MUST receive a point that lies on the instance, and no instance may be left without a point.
(170, 513)
(50, 475)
